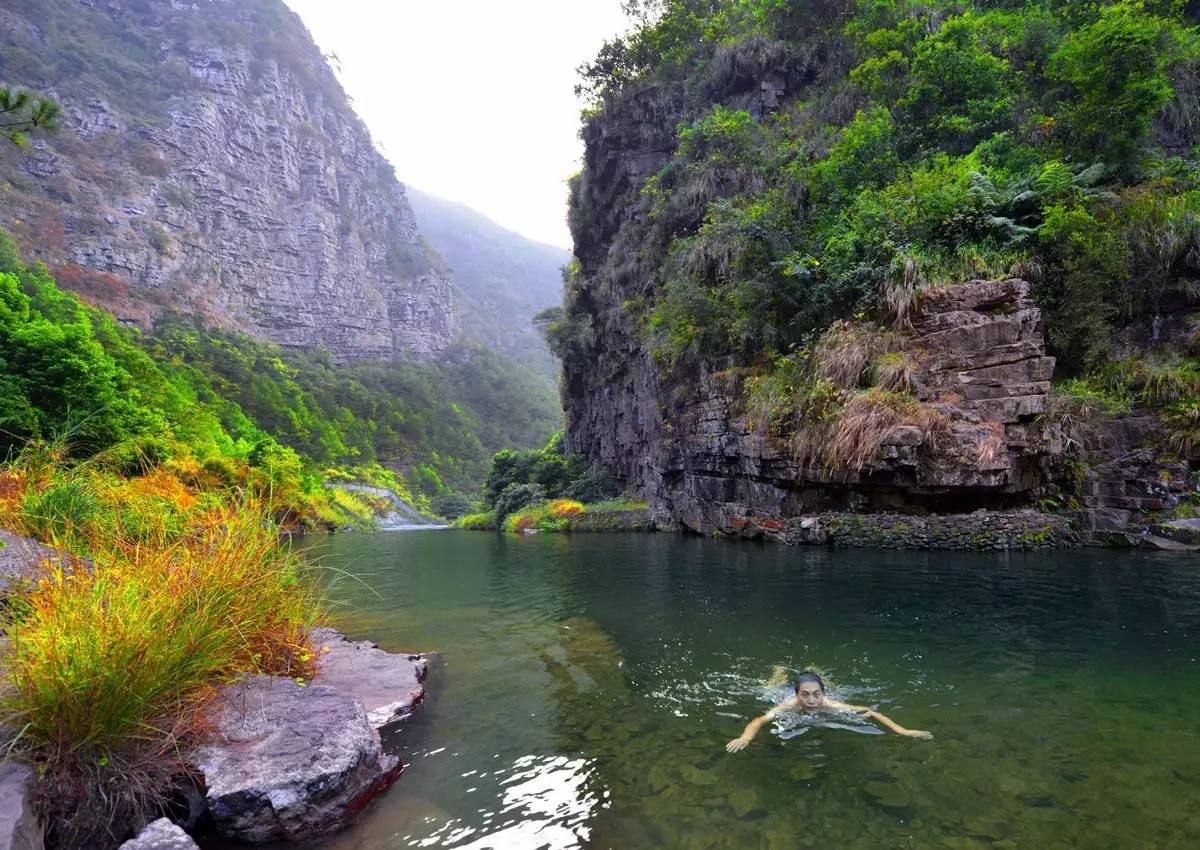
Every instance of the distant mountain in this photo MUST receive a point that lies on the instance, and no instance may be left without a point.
(209, 163)
(503, 278)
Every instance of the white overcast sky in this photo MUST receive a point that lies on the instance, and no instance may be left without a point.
(472, 100)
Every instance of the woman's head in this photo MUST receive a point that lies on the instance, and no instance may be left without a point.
(810, 690)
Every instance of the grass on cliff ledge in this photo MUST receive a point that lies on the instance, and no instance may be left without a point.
(114, 658)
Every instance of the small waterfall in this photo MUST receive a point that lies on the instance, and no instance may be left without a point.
(401, 517)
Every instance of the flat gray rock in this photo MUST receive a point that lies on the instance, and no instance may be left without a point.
(161, 835)
(18, 827)
(388, 685)
(1166, 544)
(1185, 531)
(290, 762)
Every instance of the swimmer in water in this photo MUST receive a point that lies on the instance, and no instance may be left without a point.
(810, 698)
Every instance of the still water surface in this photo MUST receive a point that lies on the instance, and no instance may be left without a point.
(587, 686)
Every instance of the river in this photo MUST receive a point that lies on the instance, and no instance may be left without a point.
(587, 685)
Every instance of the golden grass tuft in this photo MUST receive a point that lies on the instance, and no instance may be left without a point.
(869, 419)
(112, 662)
(564, 508)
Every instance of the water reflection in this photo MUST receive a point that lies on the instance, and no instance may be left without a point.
(587, 687)
(546, 804)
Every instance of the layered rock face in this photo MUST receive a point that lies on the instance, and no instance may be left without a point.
(210, 163)
(979, 365)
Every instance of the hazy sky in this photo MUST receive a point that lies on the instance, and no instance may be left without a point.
(472, 100)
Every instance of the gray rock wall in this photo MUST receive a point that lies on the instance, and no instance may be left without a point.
(243, 189)
(979, 361)
(998, 530)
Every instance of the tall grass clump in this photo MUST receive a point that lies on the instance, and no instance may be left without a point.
(112, 661)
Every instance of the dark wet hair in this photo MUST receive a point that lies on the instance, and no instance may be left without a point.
(809, 676)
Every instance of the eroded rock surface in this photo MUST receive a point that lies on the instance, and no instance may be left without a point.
(18, 827)
(388, 685)
(161, 835)
(290, 762)
(979, 360)
(228, 177)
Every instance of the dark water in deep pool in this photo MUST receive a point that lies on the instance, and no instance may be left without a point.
(588, 685)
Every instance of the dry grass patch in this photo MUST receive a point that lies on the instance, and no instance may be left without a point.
(110, 665)
(869, 419)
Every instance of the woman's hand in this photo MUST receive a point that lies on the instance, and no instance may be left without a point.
(917, 733)
(737, 744)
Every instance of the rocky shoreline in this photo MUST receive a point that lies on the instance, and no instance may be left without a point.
(287, 759)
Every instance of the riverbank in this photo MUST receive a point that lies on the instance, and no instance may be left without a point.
(129, 605)
(565, 516)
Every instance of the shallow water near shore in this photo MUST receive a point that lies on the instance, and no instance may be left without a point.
(587, 686)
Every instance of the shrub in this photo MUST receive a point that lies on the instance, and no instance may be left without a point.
(111, 665)
(485, 521)
(452, 505)
(1117, 68)
(868, 419)
(565, 508)
(1182, 421)
(1085, 260)
(516, 496)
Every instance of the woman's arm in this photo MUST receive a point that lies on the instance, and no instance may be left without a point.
(743, 741)
(881, 719)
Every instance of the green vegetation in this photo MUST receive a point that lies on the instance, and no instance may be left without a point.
(546, 490)
(559, 516)
(111, 664)
(948, 140)
(521, 478)
(22, 114)
(440, 422)
(238, 409)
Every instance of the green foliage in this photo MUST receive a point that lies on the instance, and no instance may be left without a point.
(243, 411)
(554, 474)
(1088, 261)
(1091, 397)
(964, 140)
(453, 505)
(516, 496)
(1117, 69)
(22, 114)
(960, 92)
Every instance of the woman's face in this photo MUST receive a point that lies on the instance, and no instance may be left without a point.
(810, 696)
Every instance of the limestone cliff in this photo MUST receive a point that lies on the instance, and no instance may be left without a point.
(983, 430)
(210, 163)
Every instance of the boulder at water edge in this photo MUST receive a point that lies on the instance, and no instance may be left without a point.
(161, 835)
(290, 762)
(18, 827)
(388, 685)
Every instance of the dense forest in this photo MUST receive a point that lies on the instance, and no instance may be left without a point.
(226, 402)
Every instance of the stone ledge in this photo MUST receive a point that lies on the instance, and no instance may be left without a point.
(982, 530)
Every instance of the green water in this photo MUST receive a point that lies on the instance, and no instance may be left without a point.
(588, 684)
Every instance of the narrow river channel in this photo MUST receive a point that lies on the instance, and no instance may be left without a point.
(587, 686)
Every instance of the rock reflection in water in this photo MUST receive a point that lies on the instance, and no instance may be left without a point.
(587, 686)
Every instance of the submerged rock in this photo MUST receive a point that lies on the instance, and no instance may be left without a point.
(161, 835)
(388, 685)
(291, 762)
(19, 829)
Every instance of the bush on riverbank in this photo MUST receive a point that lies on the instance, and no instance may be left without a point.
(112, 661)
(566, 515)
